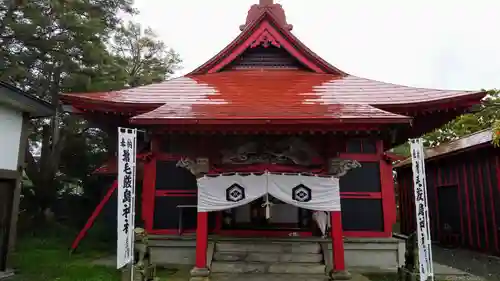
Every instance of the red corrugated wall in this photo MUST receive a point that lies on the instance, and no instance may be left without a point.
(464, 199)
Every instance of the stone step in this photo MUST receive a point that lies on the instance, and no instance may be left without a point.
(304, 248)
(297, 268)
(268, 257)
(258, 267)
(267, 277)
(238, 267)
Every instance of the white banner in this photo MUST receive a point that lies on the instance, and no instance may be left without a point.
(308, 192)
(127, 142)
(421, 210)
(226, 192)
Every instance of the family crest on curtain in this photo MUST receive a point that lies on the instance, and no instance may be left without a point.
(222, 192)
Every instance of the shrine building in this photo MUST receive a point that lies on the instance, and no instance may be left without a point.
(462, 183)
(254, 142)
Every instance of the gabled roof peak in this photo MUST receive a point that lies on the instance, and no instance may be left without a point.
(267, 6)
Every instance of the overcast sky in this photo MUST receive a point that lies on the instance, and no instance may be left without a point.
(450, 44)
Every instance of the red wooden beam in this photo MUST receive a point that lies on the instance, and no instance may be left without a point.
(201, 240)
(475, 207)
(148, 199)
(467, 203)
(460, 204)
(337, 241)
(492, 204)
(483, 203)
(439, 181)
(94, 215)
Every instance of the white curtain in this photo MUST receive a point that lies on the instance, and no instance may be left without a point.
(307, 192)
(226, 192)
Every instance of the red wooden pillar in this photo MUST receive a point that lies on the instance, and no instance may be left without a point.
(337, 242)
(200, 269)
(201, 240)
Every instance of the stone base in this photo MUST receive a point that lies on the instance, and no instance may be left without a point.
(340, 275)
(138, 274)
(199, 279)
(406, 275)
(200, 272)
(6, 274)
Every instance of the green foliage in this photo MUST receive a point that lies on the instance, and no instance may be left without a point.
(403, 149)
(44, 256)
(496, 133)
(143, 57)
(48, 47)
(482, 117)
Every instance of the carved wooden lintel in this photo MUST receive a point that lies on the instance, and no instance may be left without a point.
(338, 167)
(197, 168)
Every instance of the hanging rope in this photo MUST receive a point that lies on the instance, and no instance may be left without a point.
(268, 204)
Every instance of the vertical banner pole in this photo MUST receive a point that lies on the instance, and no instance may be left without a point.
(127, 145)
(426, 268)
(427, 220)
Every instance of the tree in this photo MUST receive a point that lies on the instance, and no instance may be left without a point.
(43, 43)
(143, 57)
(482, 117)
(496, 133)
(52, 46)
(49, 47)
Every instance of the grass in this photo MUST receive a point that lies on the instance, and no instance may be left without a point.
(46, 258)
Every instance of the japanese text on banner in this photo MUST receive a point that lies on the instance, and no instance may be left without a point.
(421, 210)
(126, 195)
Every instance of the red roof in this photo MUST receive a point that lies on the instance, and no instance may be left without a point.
(251, 85)
(305, 88)
(225, 95)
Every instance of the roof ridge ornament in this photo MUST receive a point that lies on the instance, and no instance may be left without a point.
(267, 6)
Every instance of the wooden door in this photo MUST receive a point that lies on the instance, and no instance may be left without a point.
(449, 215)
(6, 196)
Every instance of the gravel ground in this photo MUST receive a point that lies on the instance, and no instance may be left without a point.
(477, 264)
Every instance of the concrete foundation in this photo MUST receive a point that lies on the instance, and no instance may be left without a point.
(167, 252)
(372, 254)
(361, 254)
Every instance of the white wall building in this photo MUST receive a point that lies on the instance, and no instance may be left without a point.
(16, 109)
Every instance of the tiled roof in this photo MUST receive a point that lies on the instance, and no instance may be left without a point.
(467, 142)
(231, 113)
(290, 86)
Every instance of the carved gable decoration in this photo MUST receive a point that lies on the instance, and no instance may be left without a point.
(287, 151)
(265, 39)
